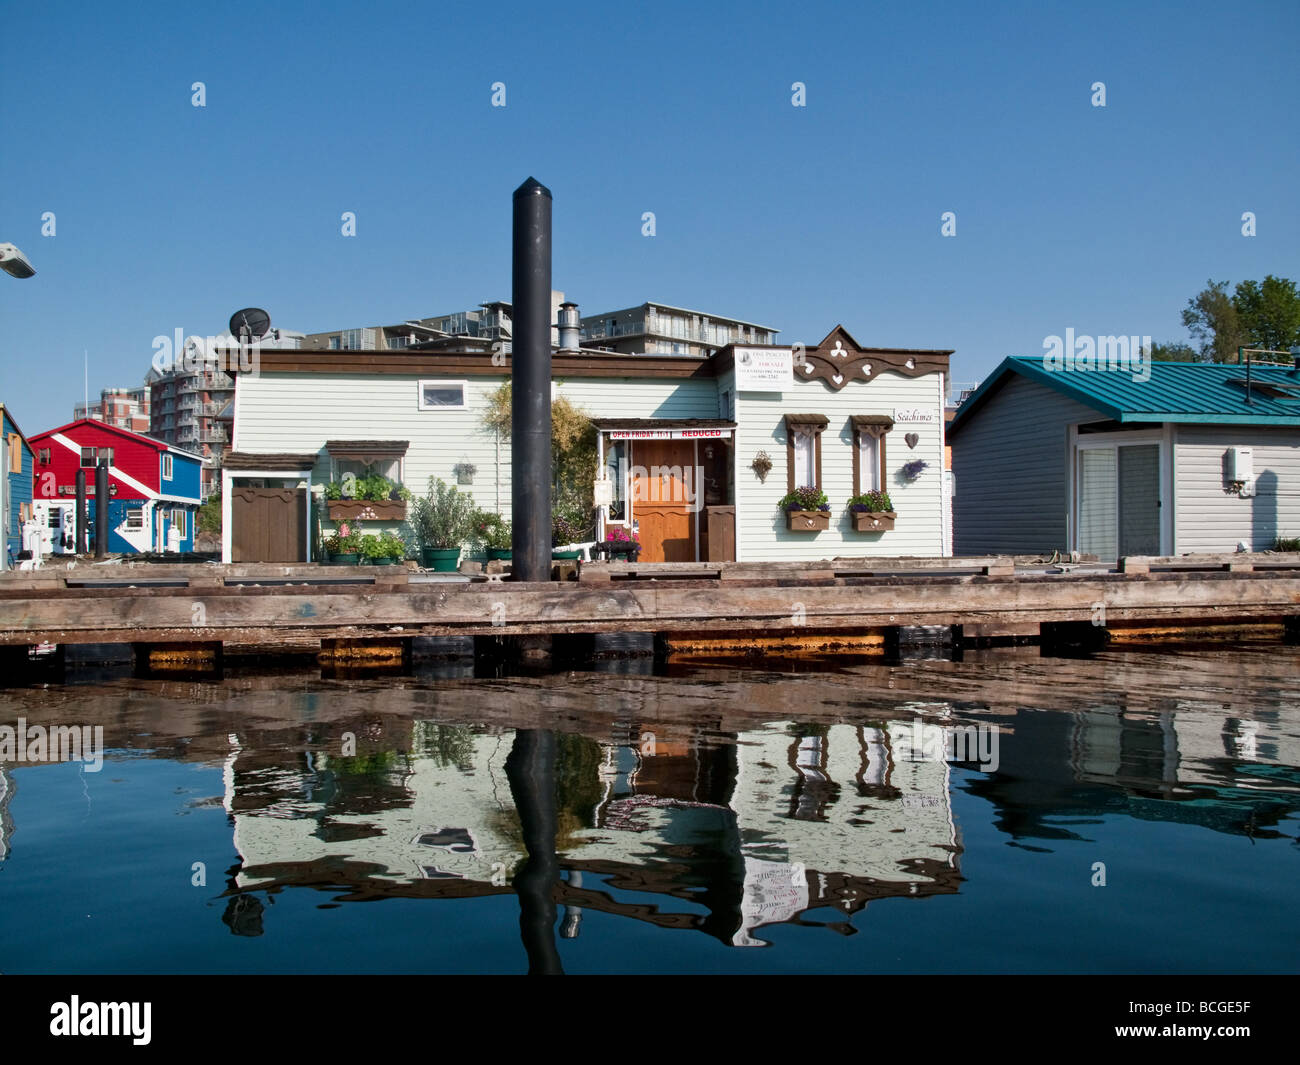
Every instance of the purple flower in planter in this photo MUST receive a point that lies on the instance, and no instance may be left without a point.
(805, 497)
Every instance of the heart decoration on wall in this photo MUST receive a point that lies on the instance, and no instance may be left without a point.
(912, 439)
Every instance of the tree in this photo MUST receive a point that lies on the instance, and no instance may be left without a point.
(1268, 313)
(1211, 317)
(1174, 351)
(573, 454)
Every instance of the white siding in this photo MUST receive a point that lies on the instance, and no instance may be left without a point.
(299, 412)
(1207, 518)
(1009, 464)
(761, 528)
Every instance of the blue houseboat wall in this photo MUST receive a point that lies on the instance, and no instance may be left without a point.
(18, 464)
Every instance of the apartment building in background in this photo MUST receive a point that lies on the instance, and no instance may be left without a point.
(122, 408)
(187, 404)
(657, 329)
(491, 321)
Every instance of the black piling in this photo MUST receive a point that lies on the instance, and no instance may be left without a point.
(530, 371)
(101, 509)
(530, 769)
(82, 546)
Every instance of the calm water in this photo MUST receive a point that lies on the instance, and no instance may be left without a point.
(1010, 813)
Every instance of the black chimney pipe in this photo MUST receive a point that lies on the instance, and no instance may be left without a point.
(530, 367)
(101, 509)
(81, 547)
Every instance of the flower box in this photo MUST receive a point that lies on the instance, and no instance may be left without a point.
(873, 520)
(367, 510)
(808, 520)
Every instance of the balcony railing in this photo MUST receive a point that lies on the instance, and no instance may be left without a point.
(618, 329)
(960, 391)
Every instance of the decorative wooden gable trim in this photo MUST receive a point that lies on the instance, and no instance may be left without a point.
(839, 359)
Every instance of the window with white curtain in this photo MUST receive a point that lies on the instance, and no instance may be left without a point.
(805, 458)
(868, 462)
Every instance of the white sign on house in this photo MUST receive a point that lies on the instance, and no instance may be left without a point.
(915, 414)
(764, 370)
(603, 492)
(669, 434)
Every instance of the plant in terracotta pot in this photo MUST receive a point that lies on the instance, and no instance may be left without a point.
(872, 512)
(443, 521)
(806, 509)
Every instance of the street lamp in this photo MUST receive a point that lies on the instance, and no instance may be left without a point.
(14, 262)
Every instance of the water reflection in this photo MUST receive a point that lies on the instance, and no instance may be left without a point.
(722, 802)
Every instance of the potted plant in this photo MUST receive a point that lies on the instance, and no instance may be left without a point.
(806, 509)
(328, 547)
(565, 530)
(371, 497)
(619, 541)
(464, 472)
(443, 521)
(910, 471)
(393, 547)
(347, 545)
(382, 550)
(872, 512)
(495, 533)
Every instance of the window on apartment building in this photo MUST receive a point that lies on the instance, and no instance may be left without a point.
(352, 339)
(134, 518)
(90, 456)
(442, 395)
(869, 451)
(335, 344)
(167, 467)
(803, 449)
(43, 456)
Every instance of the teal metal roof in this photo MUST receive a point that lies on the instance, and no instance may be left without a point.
(1191, 393)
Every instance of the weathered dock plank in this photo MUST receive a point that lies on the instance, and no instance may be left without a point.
(245, 613)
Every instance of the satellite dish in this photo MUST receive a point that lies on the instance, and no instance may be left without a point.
(253, 322)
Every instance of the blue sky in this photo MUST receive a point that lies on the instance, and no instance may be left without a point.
(1068, 215)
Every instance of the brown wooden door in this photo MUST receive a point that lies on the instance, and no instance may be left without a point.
(270, 524)
(664, 486)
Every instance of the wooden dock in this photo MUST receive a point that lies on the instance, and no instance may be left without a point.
(718, 605)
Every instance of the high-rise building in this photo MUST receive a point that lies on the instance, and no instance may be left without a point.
(123, 408)
(187, 402)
